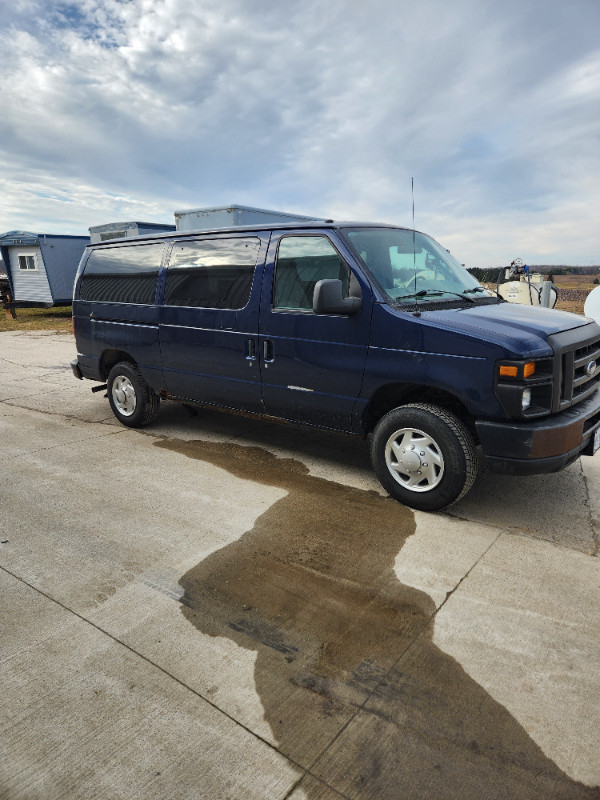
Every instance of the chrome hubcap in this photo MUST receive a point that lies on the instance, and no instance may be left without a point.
(414, 460)
(123, 395)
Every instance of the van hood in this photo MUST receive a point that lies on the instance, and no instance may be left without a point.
(511, 322)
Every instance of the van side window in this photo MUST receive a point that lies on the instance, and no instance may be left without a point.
(301, 262)
(126, 274)
(211, 273)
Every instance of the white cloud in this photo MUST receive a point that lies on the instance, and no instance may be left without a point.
(28, 201)
(321, 109)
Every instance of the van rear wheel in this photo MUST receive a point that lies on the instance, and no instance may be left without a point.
(424, 456)
(132, 401)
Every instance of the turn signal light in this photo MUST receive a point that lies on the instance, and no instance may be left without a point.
(517, 371)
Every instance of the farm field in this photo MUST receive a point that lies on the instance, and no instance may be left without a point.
(573, 291)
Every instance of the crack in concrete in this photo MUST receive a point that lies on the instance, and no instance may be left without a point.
(409, 646)
(153, 664)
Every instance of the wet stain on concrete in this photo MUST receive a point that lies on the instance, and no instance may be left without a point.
(351, 683)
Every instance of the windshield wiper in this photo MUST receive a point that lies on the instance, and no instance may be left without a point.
(438, 293)
(481, 289)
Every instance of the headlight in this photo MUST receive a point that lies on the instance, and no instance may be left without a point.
(524, 388)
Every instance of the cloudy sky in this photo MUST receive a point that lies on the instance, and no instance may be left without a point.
(114, 110)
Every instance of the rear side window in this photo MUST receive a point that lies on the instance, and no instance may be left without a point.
(211, 273)
(122, 274)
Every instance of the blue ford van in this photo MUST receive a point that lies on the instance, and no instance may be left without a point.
(371, 330)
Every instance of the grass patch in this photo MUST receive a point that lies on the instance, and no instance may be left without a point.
(37, 319)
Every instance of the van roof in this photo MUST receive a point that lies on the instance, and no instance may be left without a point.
(315, 225)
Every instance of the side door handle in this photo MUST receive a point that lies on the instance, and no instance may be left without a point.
(268, 351)
(250, 350)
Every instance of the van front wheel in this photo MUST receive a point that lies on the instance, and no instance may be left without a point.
(132, 401)
(424, 456)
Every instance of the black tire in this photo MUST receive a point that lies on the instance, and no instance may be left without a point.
(424, 456)
(132, 401)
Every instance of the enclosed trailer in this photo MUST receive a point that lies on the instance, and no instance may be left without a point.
(41, 267)
(197, 219)
(124, 230)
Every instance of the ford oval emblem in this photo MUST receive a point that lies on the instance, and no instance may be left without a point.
(591, 368)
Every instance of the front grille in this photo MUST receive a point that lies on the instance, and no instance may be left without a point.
(577, 379)
(584, 384)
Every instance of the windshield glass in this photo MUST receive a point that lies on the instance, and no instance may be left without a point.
(411, 266)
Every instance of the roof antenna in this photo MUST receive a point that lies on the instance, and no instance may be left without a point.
(416, 311)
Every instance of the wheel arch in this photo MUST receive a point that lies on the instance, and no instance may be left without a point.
(394, 395)
(111, 357)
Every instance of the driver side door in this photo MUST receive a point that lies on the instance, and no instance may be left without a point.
(312, 365)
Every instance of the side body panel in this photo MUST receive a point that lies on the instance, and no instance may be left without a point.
(210, 355)
(131, 329)
(312, 365)
(415, 351)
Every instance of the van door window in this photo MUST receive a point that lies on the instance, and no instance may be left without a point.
(301, 262)
(211, 273)
(126, 274)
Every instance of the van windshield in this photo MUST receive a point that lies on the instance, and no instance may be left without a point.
(410, 266)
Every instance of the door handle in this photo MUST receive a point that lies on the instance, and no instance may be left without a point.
(268, 352)
(250, 349)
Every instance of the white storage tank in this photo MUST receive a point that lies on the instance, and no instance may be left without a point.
(525, 291)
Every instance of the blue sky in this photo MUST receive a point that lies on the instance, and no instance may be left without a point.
(114, 111)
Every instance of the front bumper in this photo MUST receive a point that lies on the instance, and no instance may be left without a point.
(542, 445)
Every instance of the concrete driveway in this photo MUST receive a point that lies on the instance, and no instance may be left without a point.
(217, 607)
